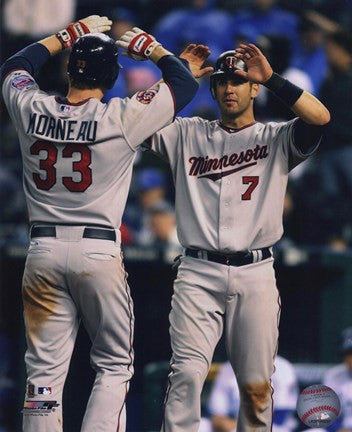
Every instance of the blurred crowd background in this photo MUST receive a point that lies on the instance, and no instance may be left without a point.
(308, 42)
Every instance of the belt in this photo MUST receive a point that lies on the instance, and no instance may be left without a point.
(92, 233)
(236, 259)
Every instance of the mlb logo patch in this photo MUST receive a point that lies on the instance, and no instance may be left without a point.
(65, 108)
(146, 96)
(44, 390)
(22, 82)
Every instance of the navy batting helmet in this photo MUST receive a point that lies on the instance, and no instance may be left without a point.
(226, 64)
(93, 61)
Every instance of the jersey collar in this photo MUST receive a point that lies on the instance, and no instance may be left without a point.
(62, 100)
(233, 130)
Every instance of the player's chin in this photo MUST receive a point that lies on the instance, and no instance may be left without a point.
(230, 109)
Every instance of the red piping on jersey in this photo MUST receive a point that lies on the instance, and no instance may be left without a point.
(64, 101)
(233, 130)
(173, 99)
(131, 340)
(275, 353)
(150, 142)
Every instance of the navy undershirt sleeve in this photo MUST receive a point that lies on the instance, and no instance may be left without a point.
(307, 136)
(30, 59)
(179, 78)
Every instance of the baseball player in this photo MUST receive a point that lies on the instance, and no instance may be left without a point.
(230, 178)
(77, 160)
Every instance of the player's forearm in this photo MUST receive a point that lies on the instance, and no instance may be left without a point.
(311, 110)
(302, 103)
(52, 44)
(158, 53)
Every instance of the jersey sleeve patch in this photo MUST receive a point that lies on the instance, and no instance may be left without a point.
(146, 96)
(23, 82)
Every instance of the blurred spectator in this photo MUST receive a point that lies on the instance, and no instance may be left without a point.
(200, 23)
(161, 232)
(278, 51)
(134, 75)
(7, 384)
(37, 18)
(339, 378)
(224, 401)
(264, 18)
(12, 195)
(202, 105)
(324, 208)
(25, 22)
(151, 189)
(309, 54)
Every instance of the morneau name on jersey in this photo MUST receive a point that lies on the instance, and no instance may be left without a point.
(60, 129)
(203, 165)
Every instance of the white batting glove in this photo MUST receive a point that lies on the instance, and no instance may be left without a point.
(138, 44)
(91, 24)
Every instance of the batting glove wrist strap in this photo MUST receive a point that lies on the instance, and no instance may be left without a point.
(289, 93)
(138, 44)
(91, 24)
(72, 32)
(142, 45)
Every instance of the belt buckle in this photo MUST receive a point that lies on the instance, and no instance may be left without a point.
(227, 260)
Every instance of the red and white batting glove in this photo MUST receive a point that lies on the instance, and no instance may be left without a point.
(137, 43)
(91, 24)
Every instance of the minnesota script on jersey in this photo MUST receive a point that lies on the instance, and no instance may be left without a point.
(230, 184)
(78, 159)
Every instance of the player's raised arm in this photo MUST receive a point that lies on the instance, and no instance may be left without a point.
(35, 55)
(313, 115)
(302, 103)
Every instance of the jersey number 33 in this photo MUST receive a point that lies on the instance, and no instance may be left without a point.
(48, 163)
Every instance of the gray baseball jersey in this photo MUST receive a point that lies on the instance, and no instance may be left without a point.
(230, 188)
(230, 184)
(78, 159)
(77, 163)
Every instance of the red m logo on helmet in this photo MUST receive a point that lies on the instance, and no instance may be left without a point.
(230, 62)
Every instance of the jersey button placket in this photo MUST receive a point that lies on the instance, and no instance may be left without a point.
(226, 217)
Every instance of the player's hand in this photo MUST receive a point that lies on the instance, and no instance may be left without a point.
(259, 69)
(96, 24)
(137, 44)
(196, 56)
(91, 24)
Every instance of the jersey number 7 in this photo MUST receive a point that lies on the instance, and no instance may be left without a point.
(253, 183)
(48, 165)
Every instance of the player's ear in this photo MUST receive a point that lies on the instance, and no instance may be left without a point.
(254, 90)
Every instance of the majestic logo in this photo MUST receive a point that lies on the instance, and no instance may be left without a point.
(39, 407)
(203, 166)
(146, 96)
